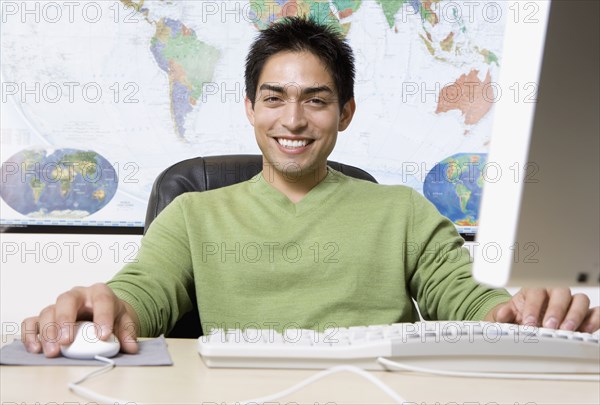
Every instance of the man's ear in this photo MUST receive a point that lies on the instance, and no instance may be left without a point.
(249, 110)
(347, 114)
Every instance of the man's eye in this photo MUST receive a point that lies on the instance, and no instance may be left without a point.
(271, 100)
(316, 101)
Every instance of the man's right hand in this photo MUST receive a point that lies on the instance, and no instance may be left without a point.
(54, 326)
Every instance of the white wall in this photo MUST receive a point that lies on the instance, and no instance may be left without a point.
(36, 268)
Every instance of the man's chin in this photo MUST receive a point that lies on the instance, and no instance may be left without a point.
(289, 169)
(292, 170)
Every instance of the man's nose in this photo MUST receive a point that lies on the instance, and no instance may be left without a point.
(293, 115)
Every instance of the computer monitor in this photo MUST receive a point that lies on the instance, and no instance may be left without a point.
(539, 215)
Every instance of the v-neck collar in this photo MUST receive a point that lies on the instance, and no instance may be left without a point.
(314, 198)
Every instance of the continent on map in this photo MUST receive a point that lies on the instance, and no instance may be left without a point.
(189, 63)
(469, 95)
(70, 165)
(488, 56)
(391, 7)
(266, 12)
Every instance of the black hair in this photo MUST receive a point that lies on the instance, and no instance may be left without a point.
(298, 34)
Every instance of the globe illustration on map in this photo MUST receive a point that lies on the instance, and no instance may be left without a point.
(455, 186)
(61, 183)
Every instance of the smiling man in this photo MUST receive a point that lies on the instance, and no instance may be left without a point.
(300, 245)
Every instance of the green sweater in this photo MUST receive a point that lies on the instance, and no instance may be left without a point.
(349, 253)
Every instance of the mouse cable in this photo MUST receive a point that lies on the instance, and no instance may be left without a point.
(94, 396)
(393, 365)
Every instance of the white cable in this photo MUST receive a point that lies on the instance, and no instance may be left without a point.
(109, 366)
(92, 395)
(353, 369)
(515, 376)
(389, 364)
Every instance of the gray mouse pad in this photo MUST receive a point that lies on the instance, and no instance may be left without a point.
(153, 352)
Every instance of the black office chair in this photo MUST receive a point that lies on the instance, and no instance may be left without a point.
(209, 173)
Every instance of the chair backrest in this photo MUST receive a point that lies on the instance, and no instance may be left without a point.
(209, 173)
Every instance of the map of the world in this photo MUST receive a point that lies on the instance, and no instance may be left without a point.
(64, 183)
(140, 85)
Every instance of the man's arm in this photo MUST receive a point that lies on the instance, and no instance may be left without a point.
(159, 283)
(445, 289)
(439, 269)
(144, 299)
(549, 308)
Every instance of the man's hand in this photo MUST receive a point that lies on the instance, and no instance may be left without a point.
(550, 308)
(55, 324)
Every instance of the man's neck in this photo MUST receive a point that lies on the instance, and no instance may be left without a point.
(293, 186)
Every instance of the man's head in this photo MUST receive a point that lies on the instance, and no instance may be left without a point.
(300, 78)
(300, 34)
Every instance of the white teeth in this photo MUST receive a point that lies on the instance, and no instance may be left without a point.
(288, 143)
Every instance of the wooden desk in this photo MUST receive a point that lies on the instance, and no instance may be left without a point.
(189, 381)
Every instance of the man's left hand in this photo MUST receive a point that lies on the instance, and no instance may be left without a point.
(553, 308)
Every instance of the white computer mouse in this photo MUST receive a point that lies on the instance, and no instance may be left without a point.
(87, 345)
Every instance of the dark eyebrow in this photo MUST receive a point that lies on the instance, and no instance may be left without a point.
(317, 89)
(307, 90)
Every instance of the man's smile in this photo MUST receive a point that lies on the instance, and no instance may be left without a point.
(289, 143)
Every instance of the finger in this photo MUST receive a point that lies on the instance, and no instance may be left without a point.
(126, 332)
(29, 334)
(591, 322)
(535, 302)
(577, 312)
(506, 313)
(558, 304)
(103, 304)
(67, 307)
(513, 311)
(49, 332)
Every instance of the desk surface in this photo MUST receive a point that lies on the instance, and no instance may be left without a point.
(190, 381)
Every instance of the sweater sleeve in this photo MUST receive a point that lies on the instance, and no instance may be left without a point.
(159, 284)
(439, 269)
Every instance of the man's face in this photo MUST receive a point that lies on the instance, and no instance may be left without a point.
(296, 115)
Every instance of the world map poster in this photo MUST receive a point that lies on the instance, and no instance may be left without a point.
(98, 97)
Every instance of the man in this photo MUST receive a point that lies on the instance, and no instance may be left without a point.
(299, 245)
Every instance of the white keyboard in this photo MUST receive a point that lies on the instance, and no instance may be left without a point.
(450, 345)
